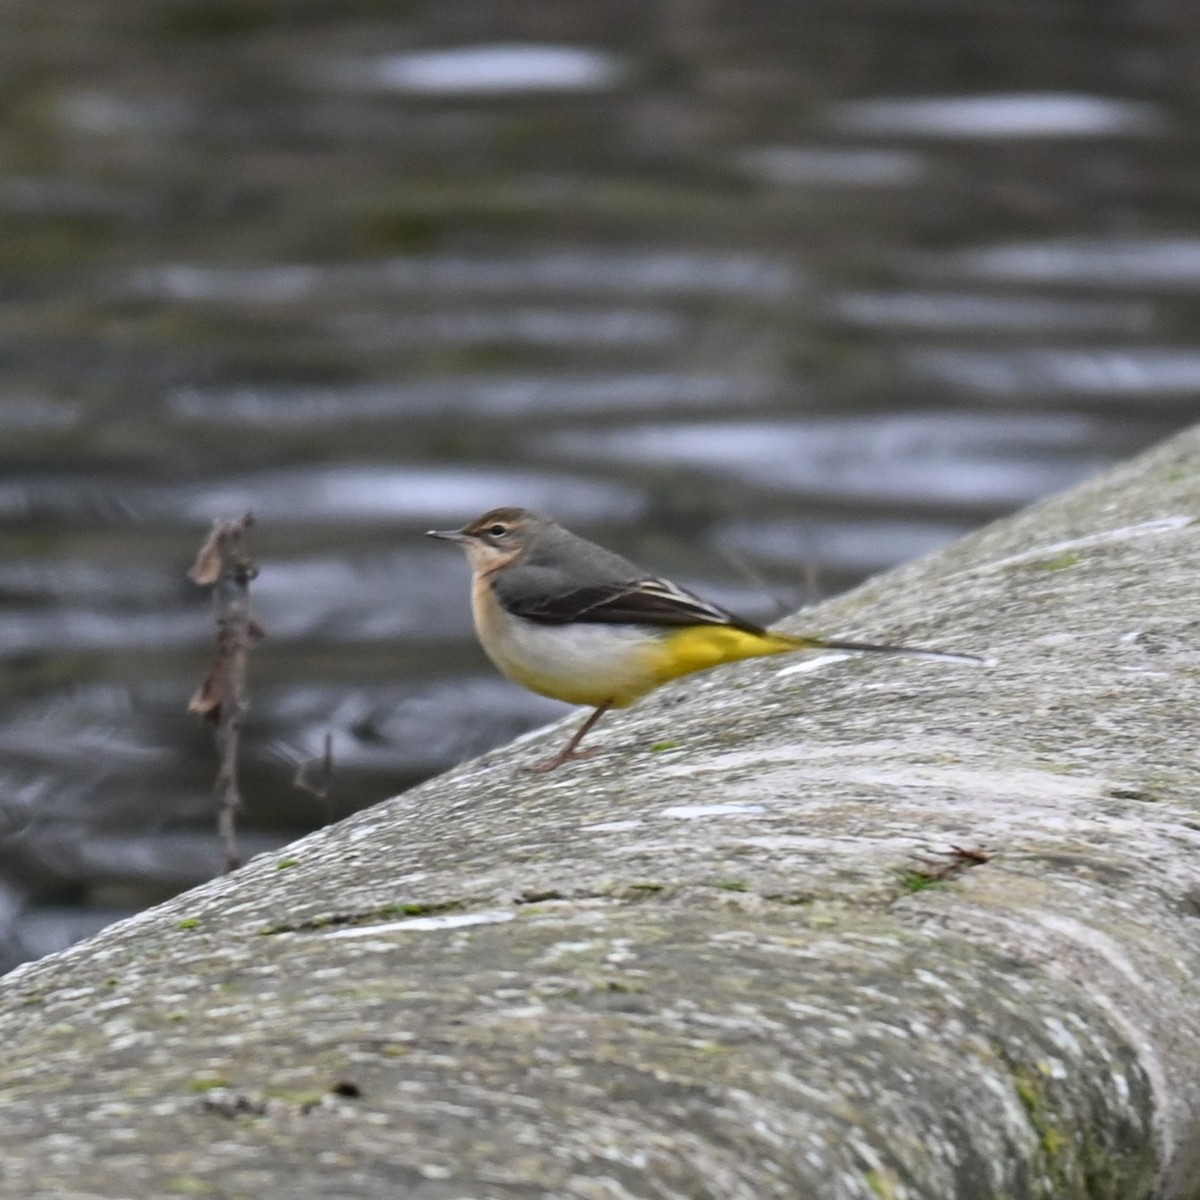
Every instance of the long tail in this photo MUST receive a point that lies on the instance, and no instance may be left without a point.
(817, 643)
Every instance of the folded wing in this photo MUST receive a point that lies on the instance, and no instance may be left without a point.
(639, 602)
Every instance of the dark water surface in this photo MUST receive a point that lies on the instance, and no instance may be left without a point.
(793, 291)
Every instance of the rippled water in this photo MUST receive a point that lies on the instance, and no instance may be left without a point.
(766, 298)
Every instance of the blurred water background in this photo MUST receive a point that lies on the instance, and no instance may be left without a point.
(766, 288)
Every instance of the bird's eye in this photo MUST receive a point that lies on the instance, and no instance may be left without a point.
(497, 530)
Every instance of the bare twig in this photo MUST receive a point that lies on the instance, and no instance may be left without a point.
(813, 588)
(742, 566)
(319, 788)
(954, 861)
(221, 698)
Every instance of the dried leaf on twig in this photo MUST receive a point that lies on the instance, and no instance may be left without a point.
(206, 570)
(221, 699)
(206, 700)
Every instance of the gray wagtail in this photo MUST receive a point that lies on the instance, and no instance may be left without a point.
(573, 621)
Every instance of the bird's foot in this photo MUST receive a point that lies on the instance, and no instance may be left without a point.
(558, 759)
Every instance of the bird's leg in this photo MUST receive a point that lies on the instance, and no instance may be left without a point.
(569, 751)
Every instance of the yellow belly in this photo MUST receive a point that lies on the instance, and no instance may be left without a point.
(598, 664)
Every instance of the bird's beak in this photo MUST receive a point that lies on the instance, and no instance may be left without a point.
(448, 535)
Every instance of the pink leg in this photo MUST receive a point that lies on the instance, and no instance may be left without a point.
(570, 751)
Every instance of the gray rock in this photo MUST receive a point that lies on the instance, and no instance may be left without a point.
(832, 928)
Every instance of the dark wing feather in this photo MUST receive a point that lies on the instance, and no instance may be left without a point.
(639, 602)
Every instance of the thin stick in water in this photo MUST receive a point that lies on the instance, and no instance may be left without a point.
(324, 779)
(221, 699)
